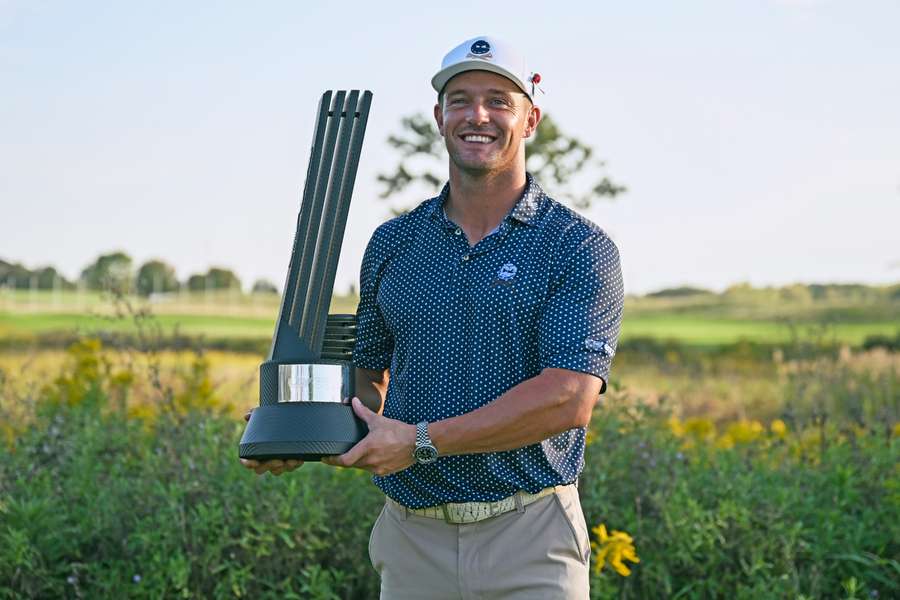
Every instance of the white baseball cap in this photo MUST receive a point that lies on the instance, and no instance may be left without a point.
(486, 53)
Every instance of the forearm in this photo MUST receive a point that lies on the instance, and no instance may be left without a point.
(371, 388)
(538, 408)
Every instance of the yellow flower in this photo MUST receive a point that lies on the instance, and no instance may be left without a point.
(897, 429)
(700, 428)
(613, 549)
(676, 427)
(741, 432)
(778, 428)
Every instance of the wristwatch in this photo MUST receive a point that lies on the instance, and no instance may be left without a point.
(425, 451)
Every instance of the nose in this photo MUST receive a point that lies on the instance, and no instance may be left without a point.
(478, 114)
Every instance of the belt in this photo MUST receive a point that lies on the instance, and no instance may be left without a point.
(471, 512)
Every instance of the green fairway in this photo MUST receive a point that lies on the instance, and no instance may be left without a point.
(711, 331)
(684, 328)
(706, 321)
(218, 326)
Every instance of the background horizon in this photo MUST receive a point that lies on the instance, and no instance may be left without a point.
(758, 142)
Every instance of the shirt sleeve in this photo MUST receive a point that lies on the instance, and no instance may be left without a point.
(374, 342)
(579, 325)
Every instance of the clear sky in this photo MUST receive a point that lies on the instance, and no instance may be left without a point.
(759, 139)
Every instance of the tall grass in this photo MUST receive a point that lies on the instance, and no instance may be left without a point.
(103, 497)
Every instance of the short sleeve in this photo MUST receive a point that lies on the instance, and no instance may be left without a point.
(579, 325)
(374, 342)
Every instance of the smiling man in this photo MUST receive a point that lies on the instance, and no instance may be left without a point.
(487, 323)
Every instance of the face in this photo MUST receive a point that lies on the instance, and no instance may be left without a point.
(484, 119)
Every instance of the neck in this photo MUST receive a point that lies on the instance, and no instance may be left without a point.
(478, 202)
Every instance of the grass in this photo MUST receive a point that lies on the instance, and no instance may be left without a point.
(26, 316)
(703, 331)
(683, 455)
(104, 494)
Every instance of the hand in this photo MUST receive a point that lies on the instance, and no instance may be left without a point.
(386, 449)
(274, 466)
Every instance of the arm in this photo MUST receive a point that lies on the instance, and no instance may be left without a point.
(578, 331)
(554, 401)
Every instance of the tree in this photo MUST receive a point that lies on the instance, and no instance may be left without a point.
(48, 278)
(156, 276)
(217, 278)
(222, 279)
(43, 278)
(562, 162)
(14, 275)
(109, 271)
(264, 286)
(196, 282)
(679, 292)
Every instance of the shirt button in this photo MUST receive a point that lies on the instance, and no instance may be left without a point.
(458, 231)
(465, 258)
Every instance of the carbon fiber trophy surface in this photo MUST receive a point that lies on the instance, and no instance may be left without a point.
(309, 374)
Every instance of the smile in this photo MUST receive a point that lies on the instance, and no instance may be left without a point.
(478, 139)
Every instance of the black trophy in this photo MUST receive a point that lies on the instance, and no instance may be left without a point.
(309, 373)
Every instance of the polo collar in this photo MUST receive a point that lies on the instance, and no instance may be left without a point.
(527, 210)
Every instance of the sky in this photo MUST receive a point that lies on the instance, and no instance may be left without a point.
(759, 140)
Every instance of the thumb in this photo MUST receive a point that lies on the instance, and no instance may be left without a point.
(362, 411)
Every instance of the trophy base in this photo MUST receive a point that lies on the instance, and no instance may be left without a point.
(300, 430)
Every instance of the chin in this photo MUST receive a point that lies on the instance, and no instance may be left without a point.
(474, 166)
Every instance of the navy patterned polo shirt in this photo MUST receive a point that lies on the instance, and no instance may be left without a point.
(458, 326)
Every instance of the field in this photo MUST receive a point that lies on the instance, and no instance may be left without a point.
(26, 316)
(747, 448)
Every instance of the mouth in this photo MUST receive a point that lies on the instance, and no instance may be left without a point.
(477, 138)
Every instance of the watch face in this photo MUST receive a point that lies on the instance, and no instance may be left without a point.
(426, 454)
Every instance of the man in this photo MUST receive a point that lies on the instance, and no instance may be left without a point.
(487, 323)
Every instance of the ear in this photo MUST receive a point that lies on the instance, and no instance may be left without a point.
(439, 118)
(532, 120)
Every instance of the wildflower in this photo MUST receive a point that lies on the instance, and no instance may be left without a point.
(741, 432)
(676, 427)
(778, 428)
(613, 549)
(136, 578)
(71, 580)
(700, 428)
(897, 429)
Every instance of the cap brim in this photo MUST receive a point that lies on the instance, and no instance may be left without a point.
(444, 75)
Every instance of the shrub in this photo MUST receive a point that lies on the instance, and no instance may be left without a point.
(100, 501)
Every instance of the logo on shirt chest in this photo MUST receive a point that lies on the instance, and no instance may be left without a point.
(506, 275)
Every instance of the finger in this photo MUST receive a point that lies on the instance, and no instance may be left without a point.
(249, 463)
(351, 456)
(293, 463)
(247, 416)
(362, 411)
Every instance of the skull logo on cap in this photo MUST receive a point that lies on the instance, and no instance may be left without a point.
(480, 47)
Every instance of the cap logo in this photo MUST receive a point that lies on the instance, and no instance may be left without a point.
(480, 49)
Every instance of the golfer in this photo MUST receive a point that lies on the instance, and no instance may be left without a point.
(487, 323)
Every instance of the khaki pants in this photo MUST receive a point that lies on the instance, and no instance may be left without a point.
(540, 551)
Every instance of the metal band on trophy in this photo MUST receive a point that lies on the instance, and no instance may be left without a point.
(309, 373)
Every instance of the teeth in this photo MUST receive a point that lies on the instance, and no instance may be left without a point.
(481, 139)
